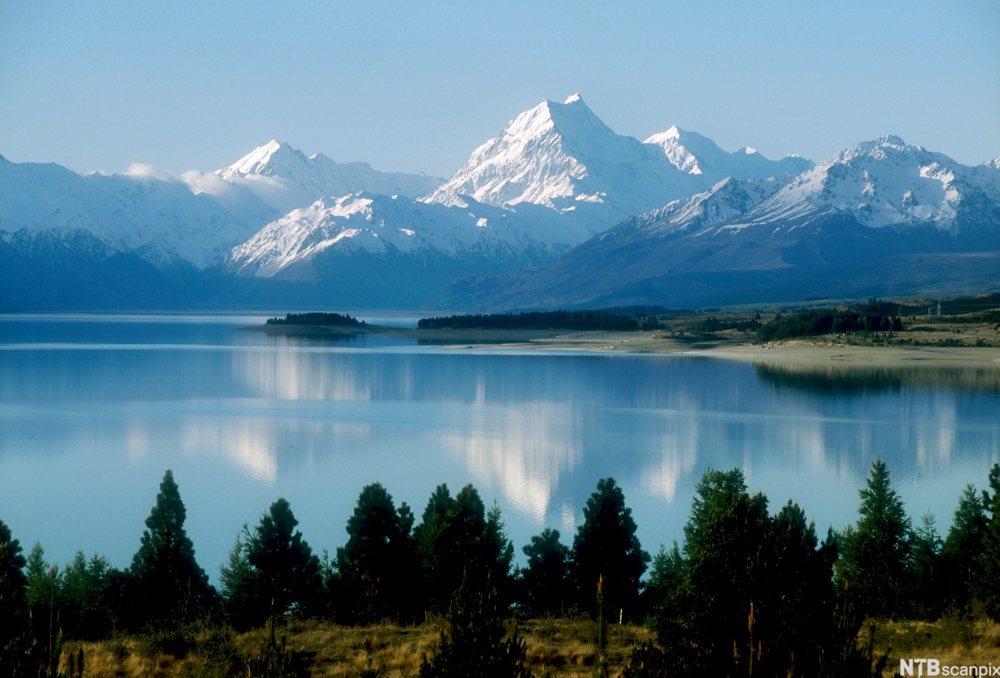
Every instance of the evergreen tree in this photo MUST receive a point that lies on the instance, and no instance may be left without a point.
(750, 595)
(498, 553)
(798, 602)
(377, 565)
(544, 585)
(962, 552)
(476, 643)
(666, 575)
(288, 570)
(13, 600)
(606, 546)
(875, 555)
(666, 592)
(724, 535)
(457, 539)
(38, 577)
(926, 586)
(990, 557)
(433, 557)
(165, 575)
(84, 598)
(241, 586)
(45, 609)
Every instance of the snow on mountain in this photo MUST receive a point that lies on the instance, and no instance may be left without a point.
(726, 200)
(696, 154)
(285, 178)
(145, 211)
(563, 156)
(381, 225)
(887, 182)
(881, 217)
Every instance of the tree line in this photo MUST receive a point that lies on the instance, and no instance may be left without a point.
(873, 317)
(543, 320)
(745, 591)
(316, 318)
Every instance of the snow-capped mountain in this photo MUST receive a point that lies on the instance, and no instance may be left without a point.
(153, 214)
(556, 192)
(726, 200)
(696, 154)
(887, 182)
(286, 178)
(496, 237)
(563, 156)
(880, 217)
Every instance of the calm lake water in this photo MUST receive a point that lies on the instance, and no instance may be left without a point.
(94, 408)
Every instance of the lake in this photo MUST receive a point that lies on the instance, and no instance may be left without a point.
(94, 408)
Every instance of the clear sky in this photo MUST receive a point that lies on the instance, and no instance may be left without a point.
(418, 85)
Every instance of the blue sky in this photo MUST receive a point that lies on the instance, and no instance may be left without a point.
(417, 86)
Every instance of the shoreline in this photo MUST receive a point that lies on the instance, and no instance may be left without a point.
(817, 352)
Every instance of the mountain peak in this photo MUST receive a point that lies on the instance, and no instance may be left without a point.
(891, 140)
(564, 156)
(696, 154)
(885, 145)
(261, 159)
(672, 133)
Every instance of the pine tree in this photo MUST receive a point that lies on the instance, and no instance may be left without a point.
(875, 555)
(165, 575)
(606, 546)
(990, 558)
(724, 535)
(666, 587)
(926, 586)
(457, 538)
(751, 594)
(433, 558)
(288, 570)
(39, 582)
(13, 600)
(544, 584)
(377, 564)
(83, 598)
(498, 552)
(476, 642)
(798, 601)
(241, 586)
(962, 552)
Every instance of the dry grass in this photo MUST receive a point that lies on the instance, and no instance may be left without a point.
(556, 647)
(955, 642)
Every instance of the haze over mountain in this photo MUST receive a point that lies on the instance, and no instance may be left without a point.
(152, 214)
(556, 210)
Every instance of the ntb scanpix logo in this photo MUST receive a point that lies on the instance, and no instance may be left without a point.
(933, 667)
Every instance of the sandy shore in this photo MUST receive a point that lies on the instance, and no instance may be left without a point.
(795, 353)
(787, 354)
(802, 354)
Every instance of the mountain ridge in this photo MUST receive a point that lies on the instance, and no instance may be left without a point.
(595, 216)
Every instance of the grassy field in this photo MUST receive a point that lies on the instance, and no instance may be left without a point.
(953, 641)
(555, 648)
